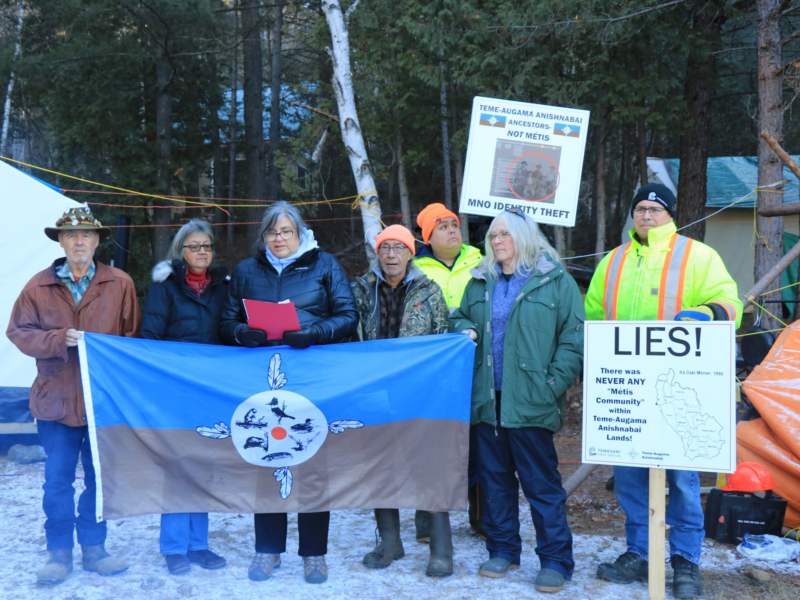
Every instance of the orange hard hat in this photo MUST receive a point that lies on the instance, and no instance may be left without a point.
(750, 477)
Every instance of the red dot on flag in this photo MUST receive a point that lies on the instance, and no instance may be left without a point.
(279, 433)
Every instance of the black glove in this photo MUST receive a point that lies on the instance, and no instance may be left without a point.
(300, 339)
(251, 338)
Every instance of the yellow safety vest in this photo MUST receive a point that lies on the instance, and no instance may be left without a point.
(657, 281)
(452, 281)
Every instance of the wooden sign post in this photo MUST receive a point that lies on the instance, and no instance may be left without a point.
(656, 529)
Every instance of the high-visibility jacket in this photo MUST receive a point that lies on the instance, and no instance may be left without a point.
(452, 281)
(657, 281)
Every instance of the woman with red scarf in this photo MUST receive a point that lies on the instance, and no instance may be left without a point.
(184, 304)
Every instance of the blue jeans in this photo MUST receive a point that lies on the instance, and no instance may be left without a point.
(181, 532)
(530, 453)
(684, 513)
(63, 445)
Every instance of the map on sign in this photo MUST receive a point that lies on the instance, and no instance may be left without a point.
(660, 394)
(699, 431)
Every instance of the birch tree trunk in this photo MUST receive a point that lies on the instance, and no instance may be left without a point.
(276, 44)
(348, 116)
(769, 243)
(402, 183)
(10, 88)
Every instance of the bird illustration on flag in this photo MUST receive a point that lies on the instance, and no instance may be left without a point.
(260, 437)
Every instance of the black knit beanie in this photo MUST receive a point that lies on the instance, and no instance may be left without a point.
(655, 192)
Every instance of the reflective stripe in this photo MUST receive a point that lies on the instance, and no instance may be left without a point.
(729, 309)
(613, 278)
(673, 274)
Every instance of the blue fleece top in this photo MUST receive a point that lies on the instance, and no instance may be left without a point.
(503, 296)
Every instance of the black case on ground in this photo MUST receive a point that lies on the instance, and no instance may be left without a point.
(729, 515)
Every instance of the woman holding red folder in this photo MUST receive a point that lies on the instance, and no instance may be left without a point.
(289, 265)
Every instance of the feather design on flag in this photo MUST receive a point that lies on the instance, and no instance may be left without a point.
(219, 432)
(340, 426)
(275, 378)
(284, 476)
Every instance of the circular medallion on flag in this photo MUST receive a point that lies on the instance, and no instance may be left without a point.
(278, 428)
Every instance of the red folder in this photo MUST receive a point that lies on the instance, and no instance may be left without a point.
(273, 319)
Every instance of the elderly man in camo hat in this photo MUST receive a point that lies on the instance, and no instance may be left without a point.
(74, 294)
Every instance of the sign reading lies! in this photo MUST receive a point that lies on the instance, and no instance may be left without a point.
(660, 394)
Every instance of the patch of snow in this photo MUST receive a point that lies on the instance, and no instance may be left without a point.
(352, 534)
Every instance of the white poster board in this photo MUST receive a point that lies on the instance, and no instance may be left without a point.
(524, 155)
(660, 394)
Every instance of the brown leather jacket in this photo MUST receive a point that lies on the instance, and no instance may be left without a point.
(39, 321)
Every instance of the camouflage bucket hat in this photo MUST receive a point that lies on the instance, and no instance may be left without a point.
(77, 218)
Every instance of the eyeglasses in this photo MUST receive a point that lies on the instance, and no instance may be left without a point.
(195, 248)
(655, 211)
(284, 235)
(386, 250)
(503, 235)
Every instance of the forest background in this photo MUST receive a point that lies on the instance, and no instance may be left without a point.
(229, 104)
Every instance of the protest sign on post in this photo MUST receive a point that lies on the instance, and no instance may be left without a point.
(660, 394)
(524, 155)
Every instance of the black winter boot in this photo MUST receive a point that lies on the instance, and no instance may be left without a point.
(391, 546)
(58, 567)
(423, 526)
(475, 512)
(627, 568)
(441, 561)
(686, 580)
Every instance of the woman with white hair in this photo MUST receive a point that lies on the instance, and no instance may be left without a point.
(288, 265)
(525, 313)
(184, 304)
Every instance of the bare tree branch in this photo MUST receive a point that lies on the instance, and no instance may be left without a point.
(349, 12)
(316, 110)
(791, 38)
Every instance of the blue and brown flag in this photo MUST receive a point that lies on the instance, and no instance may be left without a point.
(492, 120)
(567, 130)
(198, 428)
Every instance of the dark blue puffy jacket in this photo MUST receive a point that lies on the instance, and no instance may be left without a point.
(315, 282)
(174, 313)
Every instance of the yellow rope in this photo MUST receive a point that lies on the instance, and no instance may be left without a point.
(780, 288)
(797, 535)
(119, 189)
(759, 190)
(758, 332)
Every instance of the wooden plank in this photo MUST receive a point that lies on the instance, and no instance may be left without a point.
(656, 586)
(17, 428)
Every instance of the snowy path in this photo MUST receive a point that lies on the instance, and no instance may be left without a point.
(22, 546)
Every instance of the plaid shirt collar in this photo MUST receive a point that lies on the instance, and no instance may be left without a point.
(78, 288)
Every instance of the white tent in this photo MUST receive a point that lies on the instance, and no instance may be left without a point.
(30, 206)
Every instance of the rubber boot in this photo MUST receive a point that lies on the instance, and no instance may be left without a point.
(95, 558)
(58, 567)
(391, 546)
(423, 526)
(441, 562)
(475, 512)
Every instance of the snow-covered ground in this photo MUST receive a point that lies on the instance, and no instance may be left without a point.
(352, 534)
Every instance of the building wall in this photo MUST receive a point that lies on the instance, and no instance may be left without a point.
(730, 233)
